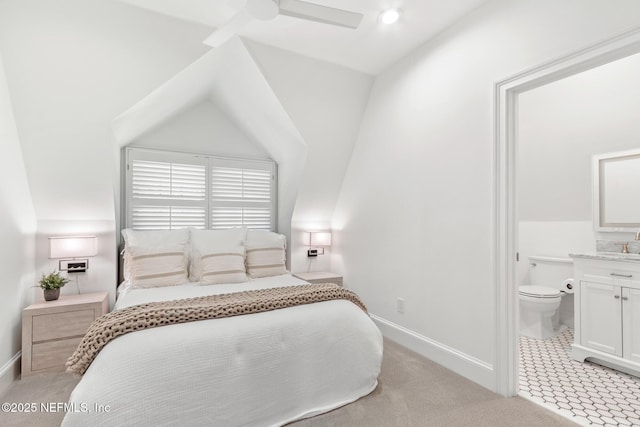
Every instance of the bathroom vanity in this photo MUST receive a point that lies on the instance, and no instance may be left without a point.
(607, 309)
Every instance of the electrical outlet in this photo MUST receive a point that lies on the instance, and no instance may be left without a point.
(400, 305)
(73, 265)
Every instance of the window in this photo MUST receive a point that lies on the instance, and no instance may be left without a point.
(166, 190)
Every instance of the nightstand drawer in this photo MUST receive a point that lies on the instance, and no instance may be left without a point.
(53, 353)
(52, 330)
(61, 325)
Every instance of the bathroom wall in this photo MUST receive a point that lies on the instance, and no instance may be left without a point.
(562, 125)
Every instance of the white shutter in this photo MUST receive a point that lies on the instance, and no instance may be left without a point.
(167, 190)
(242, 194)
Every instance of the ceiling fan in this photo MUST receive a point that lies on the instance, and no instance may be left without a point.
(266, 10)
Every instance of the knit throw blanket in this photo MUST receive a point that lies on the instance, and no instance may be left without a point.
(111, 325)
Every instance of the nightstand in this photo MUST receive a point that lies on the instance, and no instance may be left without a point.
(320, 277)
(52, 330)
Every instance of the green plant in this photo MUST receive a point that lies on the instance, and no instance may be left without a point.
(52, 281)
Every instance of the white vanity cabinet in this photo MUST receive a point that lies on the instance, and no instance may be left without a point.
(607, 310)
(631, 324)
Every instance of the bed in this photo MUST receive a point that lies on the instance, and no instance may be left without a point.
(262, 369)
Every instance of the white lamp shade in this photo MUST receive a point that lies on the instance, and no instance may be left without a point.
(319, 238)
(72, 246)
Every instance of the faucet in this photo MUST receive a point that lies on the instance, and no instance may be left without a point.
(625, 247)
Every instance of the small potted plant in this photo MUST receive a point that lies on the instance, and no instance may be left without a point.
(51, 284)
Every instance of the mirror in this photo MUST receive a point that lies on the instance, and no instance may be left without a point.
(616, 191)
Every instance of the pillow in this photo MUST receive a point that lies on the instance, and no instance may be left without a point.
(223, 267)
(264, 237)
(266, 258)
(150, 239)
(156, 267)
(213, 241)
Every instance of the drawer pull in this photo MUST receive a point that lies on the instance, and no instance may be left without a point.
(616, 296)
(625, 298)
(628, 276)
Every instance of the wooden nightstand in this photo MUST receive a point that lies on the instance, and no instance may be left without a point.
(52, 330)
(320, 277)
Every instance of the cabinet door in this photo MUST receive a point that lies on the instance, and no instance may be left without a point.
(601, 317)
(631, 323)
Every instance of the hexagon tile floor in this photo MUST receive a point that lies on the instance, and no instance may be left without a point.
(587, 393)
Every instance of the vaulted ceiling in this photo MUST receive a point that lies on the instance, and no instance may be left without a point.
(371, 48)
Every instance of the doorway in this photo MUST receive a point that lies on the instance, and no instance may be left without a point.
(506, 225)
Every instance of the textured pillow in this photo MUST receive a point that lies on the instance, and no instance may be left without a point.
(223, 267)
(265, 260)
(148, 240)
(213, 241)
(156, 267)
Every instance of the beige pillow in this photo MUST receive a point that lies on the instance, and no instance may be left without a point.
(223, 267)
(212, 241)
(265, 260)
(155, 267)
(150, 239)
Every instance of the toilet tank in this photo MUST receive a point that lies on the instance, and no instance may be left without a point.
(549, 271)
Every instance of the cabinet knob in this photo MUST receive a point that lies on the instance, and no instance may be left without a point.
(625, 298)
(616, 296)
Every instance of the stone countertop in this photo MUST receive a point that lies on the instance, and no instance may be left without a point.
(608, 256)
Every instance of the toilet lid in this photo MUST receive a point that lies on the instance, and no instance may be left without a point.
(539, 292)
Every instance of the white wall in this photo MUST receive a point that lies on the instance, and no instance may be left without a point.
(203, 128)
(17, 234)
(561, 126)
(326, 102)
(415, 214)
(72, 66)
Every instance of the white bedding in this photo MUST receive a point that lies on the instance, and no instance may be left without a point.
(263, 369)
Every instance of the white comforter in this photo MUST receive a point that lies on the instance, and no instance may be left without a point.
(261, 369)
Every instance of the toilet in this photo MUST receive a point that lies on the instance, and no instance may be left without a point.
(540, 299)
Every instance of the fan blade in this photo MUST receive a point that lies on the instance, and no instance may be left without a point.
(228, 30)
(318, 13)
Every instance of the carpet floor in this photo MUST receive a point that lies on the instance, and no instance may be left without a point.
(412, 391)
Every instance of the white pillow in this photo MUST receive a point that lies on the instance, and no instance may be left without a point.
(266, 258)
(150, 239)
(264, 237)
(223, 267)
(159, 266)
(147, 238)
(213, 241)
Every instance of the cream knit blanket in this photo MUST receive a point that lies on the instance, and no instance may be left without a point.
(153, 314)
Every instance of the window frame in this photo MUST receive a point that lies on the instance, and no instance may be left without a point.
(129, 154)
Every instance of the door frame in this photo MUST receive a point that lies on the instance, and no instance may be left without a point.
(505, 224)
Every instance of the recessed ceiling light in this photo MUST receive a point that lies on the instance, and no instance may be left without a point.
(390, 16)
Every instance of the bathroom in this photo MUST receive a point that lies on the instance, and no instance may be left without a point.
(561, 127)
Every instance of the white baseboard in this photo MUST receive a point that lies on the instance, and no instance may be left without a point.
(10, 372)
(468, 366)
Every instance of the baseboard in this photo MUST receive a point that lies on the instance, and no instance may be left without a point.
(10, 372)
(468, 366)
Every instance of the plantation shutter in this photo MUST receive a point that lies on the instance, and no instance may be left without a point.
(166, 190)
(242, 194)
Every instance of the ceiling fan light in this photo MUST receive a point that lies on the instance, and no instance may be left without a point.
(264, 10)
(389, 16)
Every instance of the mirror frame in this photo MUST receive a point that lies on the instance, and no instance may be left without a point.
(598, 190)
